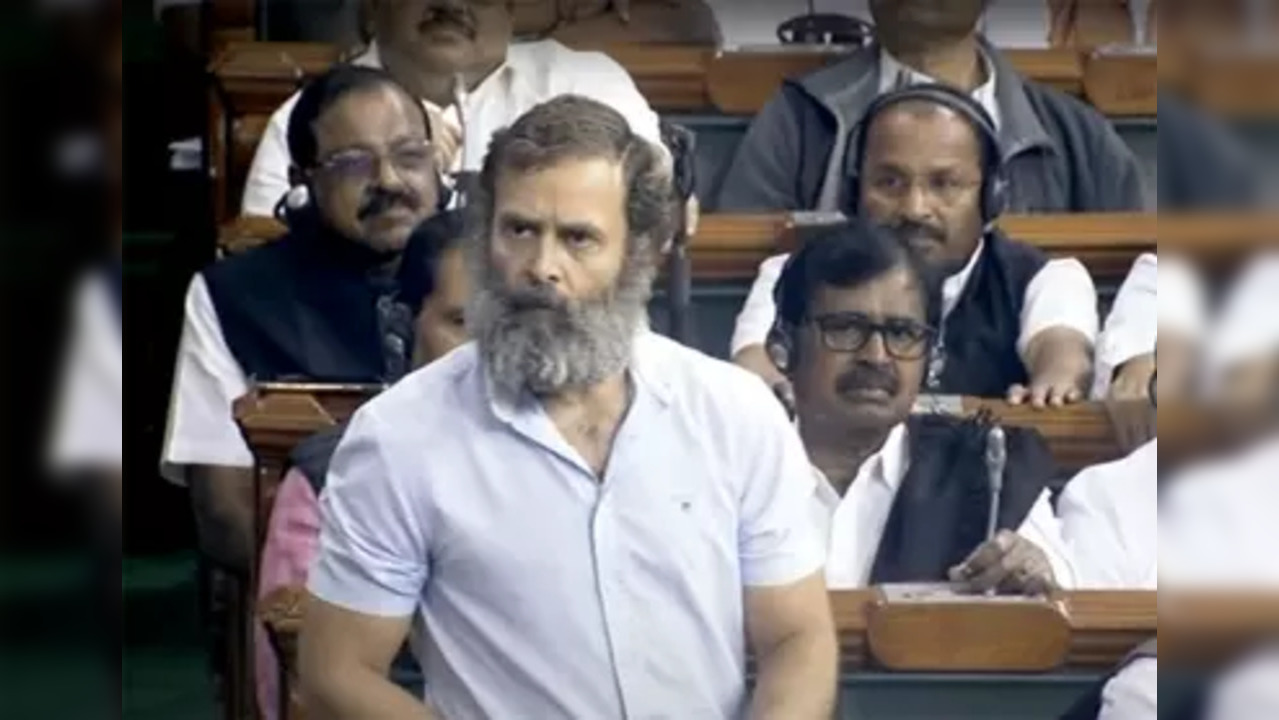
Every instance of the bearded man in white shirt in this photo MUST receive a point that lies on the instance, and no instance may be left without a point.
(427, 45)
(603, 520)
(902, 498)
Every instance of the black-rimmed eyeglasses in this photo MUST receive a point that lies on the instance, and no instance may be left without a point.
(850, 332)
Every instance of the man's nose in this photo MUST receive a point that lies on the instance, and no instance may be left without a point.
(544, 263)
(916, 204)
(388, 176)
(875, 351)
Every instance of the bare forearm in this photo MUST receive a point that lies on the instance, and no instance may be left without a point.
(797, 679)
(358, 693)
(223, 503)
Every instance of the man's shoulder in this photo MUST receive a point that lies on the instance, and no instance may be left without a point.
(556, 61)
(260, 263)
(432, 395)
(1062, 112)
(1104, 485)
(699, 380)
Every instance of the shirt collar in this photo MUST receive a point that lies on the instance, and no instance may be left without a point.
(893, 75)
(887, 467)
(502, 77)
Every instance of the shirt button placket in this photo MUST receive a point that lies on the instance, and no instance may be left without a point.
(612, 594)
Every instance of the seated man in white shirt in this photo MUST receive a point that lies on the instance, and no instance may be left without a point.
(903, 498)
(1014, 323)
(603, 520)
(426, 46)
(320, 304)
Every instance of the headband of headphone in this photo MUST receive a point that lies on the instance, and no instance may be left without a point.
(994, 190)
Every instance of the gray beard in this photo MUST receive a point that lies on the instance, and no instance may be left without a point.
(534, 341)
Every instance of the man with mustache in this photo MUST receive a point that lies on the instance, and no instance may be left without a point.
(605, 519)
(1014, 323)
(902, 498)
(1062, 155)
(427, 45)
(318, 305)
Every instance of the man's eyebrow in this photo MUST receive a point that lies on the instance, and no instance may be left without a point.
(510, 217)
(581, 228)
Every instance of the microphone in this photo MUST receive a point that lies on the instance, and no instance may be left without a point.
(996, 463)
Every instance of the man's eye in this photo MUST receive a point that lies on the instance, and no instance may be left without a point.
(578, 239)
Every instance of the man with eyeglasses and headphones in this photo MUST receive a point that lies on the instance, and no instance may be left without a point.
(1014, 323)
(320, 304)
(901, 497)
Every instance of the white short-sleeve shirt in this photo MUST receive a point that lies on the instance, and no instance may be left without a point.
(207, 380)
(1217, 526)
(1151, 300)
(1110, 519)
(1061, 294)
(88, 424)
(534, 72)
(853, 525)
(543, 591)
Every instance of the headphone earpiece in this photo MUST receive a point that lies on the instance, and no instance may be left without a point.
(298, 197)
(779, 346)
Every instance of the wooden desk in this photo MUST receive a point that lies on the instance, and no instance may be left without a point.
(1104, 627)
(731, 247)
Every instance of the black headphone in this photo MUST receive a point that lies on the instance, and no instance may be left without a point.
(994, 200)
(780, 344)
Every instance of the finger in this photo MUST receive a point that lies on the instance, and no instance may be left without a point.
(1017, 394)
(1073, 395)
(623, 9)
(986, 555)
(1039, 393)
(1017, 565)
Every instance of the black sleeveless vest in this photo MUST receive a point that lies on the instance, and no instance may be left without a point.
(312, 307)
(940, 513)
(981, 333)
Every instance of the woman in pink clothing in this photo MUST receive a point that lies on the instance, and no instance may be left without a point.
(436, 282)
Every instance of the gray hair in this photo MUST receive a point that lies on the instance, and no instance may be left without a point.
(532, 339)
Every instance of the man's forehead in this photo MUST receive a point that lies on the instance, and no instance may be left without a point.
(572, 190)
(377, 114)
(918, 127)
(891, 295)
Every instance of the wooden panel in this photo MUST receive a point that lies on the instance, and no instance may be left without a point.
(1104, 626)
(730, 247)
(672, 77)
(1123, 82)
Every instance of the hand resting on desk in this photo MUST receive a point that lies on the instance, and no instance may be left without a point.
(1008, 563)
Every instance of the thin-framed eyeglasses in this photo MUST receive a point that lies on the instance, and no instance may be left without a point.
(850, 332)
(360, 164)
